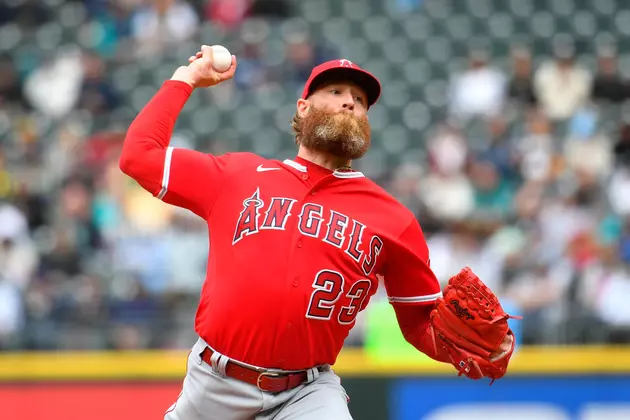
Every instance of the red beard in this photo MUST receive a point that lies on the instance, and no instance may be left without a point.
(339, 133)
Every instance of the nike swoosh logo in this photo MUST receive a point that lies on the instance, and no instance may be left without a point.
(261, 169)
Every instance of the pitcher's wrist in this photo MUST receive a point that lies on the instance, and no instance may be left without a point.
(182, 75)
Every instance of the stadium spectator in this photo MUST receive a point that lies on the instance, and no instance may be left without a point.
(493, 193)
(561, 85)
(227, 13)
(499, 149)
(536, 149)
(53, 88)
(446, 192)
(96, 94)
(480, 90)
(521, 87)
(608, 84)
(18, 256)
(587, 148)
(11, 315)
(11, 93)
(160, 25)
(619, 185)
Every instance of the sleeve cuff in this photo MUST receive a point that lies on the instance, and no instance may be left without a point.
(415, 299)
(178, 84)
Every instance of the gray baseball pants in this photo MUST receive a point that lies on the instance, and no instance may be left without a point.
(207, 394)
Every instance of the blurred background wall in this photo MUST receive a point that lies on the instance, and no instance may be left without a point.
(504, 125)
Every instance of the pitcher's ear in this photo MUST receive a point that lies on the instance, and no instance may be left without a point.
(302, 106)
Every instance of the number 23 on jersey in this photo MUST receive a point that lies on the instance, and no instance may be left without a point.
(328, 289)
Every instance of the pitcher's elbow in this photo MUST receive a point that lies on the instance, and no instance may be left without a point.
(126, 163)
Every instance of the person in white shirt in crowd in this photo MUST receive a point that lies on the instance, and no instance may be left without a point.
(445, 190)
(535, 149)
(603, 287)
(561, 85)
(18, 262)
(480, 91)
(19, 258)
(587, 149)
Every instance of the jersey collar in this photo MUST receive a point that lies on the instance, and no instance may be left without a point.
(303, 165)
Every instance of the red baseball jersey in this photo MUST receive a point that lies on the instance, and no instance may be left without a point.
(296, 250)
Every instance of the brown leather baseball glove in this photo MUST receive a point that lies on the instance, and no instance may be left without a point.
(470, 325)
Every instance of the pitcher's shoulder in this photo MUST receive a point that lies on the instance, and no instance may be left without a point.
(244, 160)
(385, 201)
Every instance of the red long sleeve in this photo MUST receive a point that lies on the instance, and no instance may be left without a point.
(415, 324)
(185, 178)
(143, 152)
(409, 279)
(412, 289)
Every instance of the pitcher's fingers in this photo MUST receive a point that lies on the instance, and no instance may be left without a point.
(206, 52)
(191, 58)
(229, 73)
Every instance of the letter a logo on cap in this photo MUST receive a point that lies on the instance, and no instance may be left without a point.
(345, 63)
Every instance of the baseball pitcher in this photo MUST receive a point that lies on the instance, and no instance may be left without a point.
(298, 248)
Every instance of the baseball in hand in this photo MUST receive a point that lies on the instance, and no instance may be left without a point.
(221, 58)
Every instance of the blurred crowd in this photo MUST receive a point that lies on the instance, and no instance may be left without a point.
(527, 183)
(525, 177)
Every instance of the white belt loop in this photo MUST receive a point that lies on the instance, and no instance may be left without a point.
(223, 361)
(214, 360)
(312, 374)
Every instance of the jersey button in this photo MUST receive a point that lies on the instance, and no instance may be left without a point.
(305, 177)
(312, 192)
(295, 283)
(299, 244)
(289, 325)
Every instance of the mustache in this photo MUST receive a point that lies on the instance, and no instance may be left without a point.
(333, 124)
(336, 126)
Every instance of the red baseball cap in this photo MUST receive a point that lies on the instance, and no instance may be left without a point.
(343, 69)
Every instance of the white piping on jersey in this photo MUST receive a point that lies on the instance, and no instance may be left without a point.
(167, 172)
(356, 174)
(295, 165)
(338, 174)
(415, 299)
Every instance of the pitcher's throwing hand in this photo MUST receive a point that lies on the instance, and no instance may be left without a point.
(200, 71)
